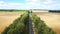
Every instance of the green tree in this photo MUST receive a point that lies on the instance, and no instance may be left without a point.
(21, 26)
(40, 27)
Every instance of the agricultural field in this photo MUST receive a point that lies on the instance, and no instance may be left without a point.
(7, 18)
(52, 20)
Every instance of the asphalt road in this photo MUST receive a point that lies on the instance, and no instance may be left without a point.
(30, 25)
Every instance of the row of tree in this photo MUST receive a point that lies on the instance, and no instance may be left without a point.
(54, 11)
(40, 27)
(12, 10)
(21, 26)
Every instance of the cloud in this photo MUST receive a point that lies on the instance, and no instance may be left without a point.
(30, 4)
(1, 1)
(42, 1)
(33, 3)
(43, 4)
(49, 1)
(4, 5)
(54, 7)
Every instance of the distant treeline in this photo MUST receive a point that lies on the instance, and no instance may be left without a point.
(58, 11)
(13, 10)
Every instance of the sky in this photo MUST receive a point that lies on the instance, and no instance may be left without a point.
(30, 4)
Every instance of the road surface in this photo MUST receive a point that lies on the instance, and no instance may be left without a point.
(30, 25)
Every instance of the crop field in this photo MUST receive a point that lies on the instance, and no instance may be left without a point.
(6, 18)
(52, 20)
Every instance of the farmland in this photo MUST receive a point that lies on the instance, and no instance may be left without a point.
(51, 19)
(6, 18)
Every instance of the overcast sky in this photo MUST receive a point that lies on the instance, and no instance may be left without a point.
(30, 4)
